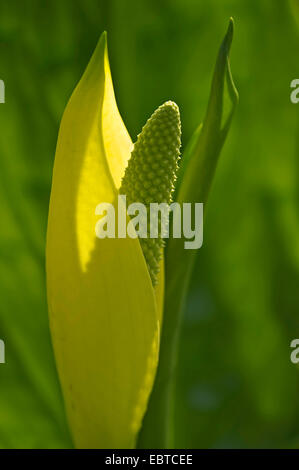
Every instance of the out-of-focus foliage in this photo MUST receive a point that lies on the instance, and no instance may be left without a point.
(236, 384)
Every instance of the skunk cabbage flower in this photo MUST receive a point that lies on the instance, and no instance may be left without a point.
(106, 295)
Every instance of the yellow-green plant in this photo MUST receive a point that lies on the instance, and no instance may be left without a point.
(114, 329)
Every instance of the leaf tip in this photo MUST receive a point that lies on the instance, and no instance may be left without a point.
(102, 42)
(229, 36)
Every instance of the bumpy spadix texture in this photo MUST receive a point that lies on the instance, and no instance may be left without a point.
(151, 172)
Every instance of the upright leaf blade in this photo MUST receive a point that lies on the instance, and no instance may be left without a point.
(197, 172)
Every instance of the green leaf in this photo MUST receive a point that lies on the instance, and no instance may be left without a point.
(200, 158)
(196, 175)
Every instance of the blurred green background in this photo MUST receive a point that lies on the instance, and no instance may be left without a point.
(236, 384)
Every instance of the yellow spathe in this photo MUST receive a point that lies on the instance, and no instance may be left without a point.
(103, 310)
